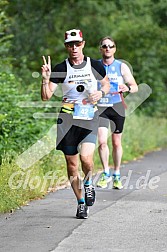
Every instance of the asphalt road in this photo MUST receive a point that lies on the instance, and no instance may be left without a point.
(133, 219)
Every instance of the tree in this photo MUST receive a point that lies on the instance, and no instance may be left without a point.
(139, 28)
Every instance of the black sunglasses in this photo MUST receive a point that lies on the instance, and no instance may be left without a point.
(76, 43)
(106, 46)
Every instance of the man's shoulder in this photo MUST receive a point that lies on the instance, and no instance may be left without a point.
(118, 61)
(98, 69)
(59, 72)
(122, 63)
(60, 66)
(96, 63)
(93, 60)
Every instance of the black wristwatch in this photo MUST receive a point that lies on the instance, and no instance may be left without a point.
(103, 93)
(129, 89)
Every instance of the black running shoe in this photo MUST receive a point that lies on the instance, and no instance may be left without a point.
(82, 211)
(89, 195)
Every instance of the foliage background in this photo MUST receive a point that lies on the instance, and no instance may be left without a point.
(30, 29)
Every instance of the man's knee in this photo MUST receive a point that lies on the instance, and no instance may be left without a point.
(86, 161)
(103, 145)
(116, 140)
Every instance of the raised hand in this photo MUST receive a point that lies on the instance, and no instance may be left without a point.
(46, 68)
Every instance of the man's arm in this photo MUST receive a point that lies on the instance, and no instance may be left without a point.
(105, 87)
(47, 87)
(129, 80)
(100, 74)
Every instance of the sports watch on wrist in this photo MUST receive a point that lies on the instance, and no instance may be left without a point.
(129, 89)
(103, 93)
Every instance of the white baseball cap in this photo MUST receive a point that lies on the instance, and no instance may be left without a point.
(73, 35)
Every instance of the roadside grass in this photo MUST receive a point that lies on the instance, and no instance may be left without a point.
(141, 134)
(19, 186)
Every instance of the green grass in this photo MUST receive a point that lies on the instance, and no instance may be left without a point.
(17, 186)
(141, 134)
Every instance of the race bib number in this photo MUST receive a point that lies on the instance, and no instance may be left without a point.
(107, 100)
(84, 112)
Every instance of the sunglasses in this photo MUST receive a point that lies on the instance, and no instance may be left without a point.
(107, 46)
(71, 44)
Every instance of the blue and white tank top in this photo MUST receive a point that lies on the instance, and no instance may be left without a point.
(113, 72)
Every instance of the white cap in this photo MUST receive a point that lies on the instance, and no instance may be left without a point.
(73, 35)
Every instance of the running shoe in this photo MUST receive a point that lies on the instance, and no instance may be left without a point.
(117, 184)
(82, 211)
(89, 195)
(104, 179)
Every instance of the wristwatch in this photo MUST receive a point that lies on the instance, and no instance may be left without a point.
(129, 89)
(103, 93)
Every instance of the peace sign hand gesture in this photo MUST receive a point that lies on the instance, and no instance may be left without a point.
(46, 68)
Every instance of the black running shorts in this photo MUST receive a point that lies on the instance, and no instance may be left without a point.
(115, 116)
(72, 132)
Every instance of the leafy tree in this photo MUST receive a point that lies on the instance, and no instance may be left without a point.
(18, 128)
(5, 38)
(139, 28)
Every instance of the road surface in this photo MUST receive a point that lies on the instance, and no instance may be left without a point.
(133, 219)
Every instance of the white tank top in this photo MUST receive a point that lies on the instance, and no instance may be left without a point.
(79, 83)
